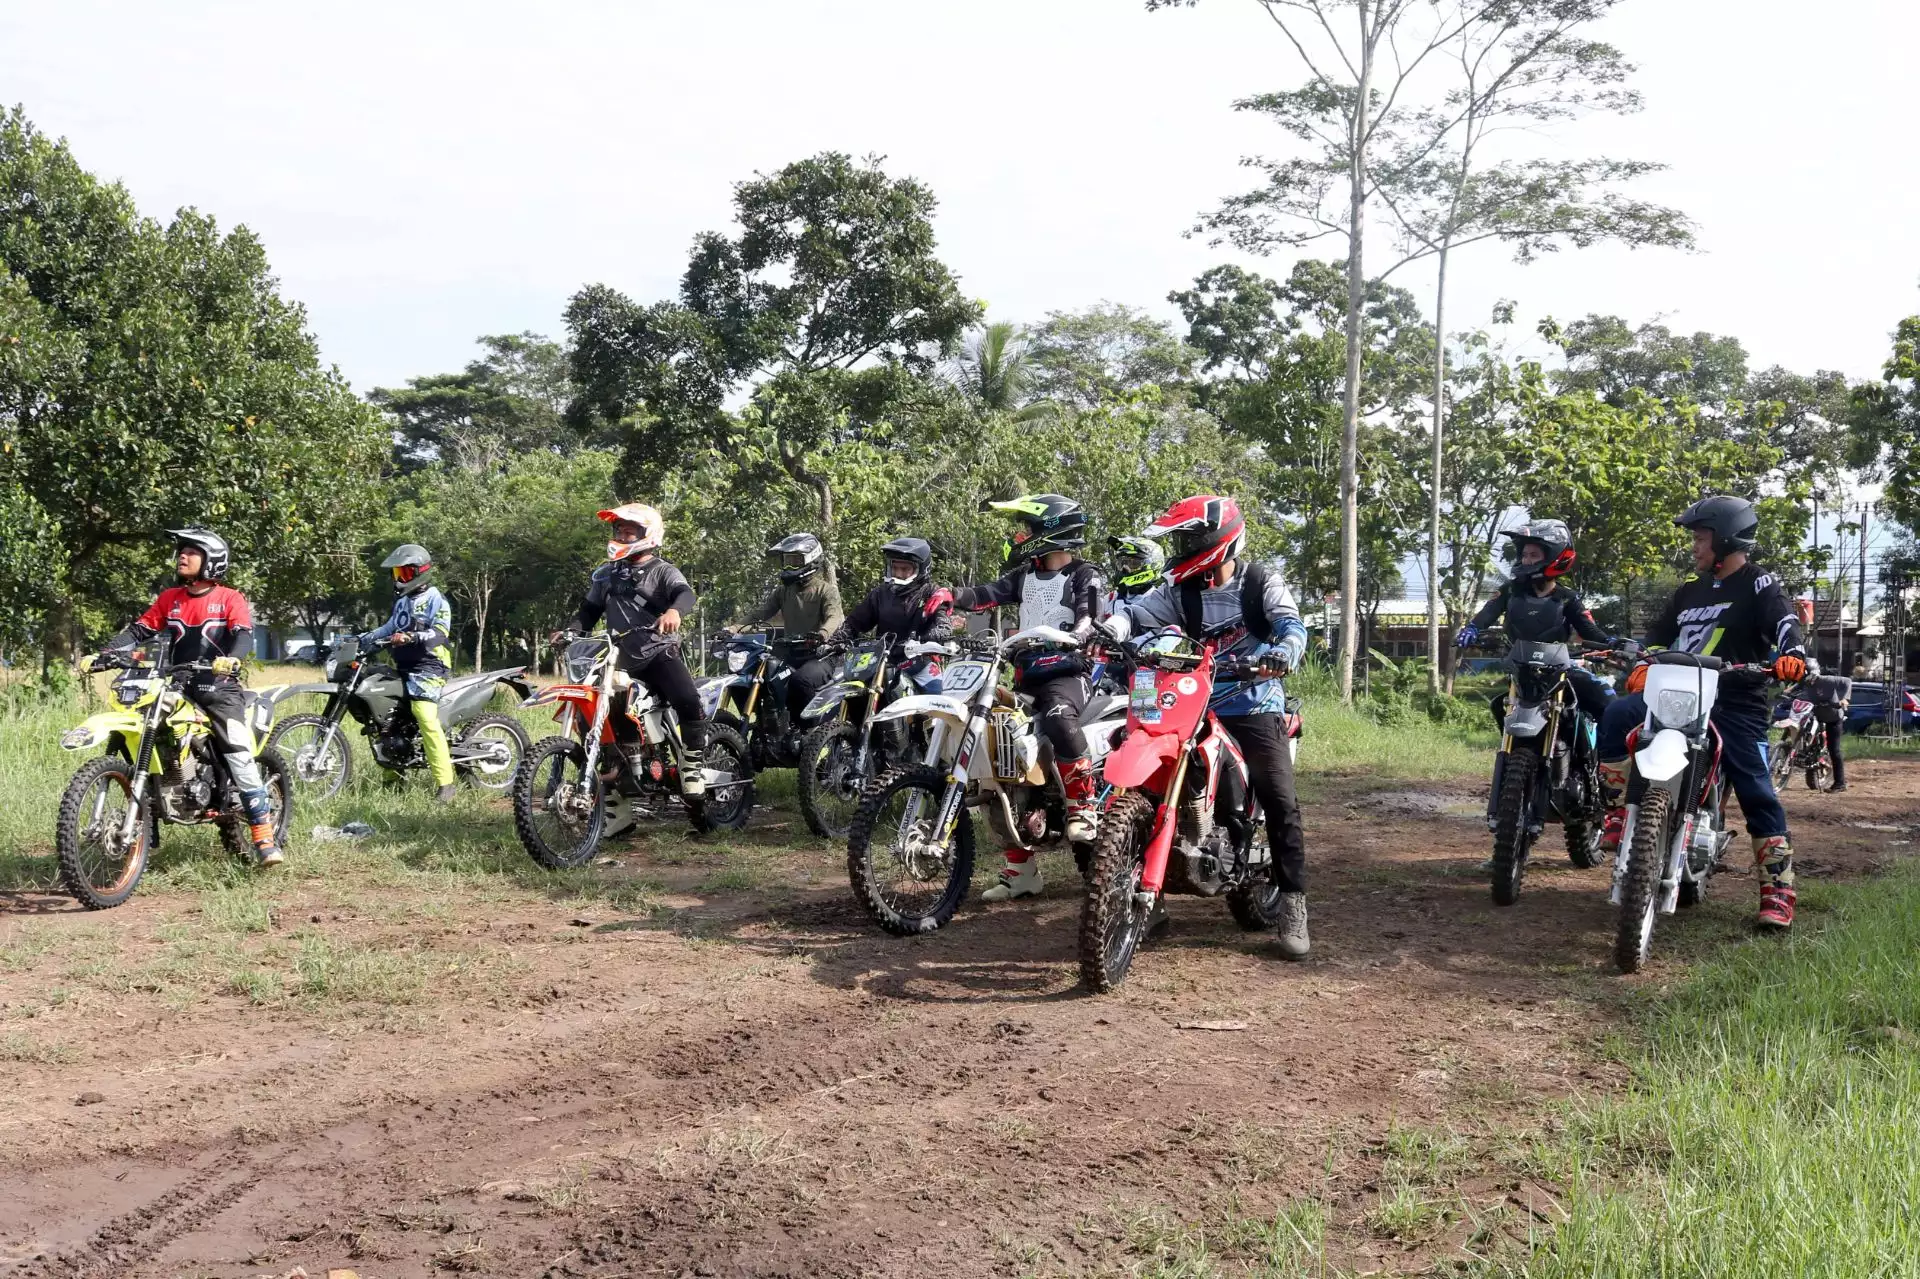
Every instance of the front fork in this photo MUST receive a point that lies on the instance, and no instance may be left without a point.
(142, 758)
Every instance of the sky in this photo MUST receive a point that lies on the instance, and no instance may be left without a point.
(424, 173)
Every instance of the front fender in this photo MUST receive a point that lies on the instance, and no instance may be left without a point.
(1140, 757)
(931, 705)
(1526, 721)
(713, 691)
(1662, 759)
(98, 730)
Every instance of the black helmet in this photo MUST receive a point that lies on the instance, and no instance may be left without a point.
(219, 556)
(798, 557)
(1048, 523)
(1551, 536)
(410, 564)
(1138, 562)
(1733, 521)
(909, 548)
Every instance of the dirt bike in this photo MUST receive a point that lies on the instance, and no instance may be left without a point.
(985, 753)
(486, 749)
(1801, 744)
(161, 766)
(1676, 828)
(1547, 769)
(751, 697)
(560, 791)
(1183, 817)
(840, 752)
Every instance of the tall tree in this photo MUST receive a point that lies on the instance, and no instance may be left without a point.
(1107, 351)
(824, 308)
(1361, 56)
(508, 401)
(1886, 426)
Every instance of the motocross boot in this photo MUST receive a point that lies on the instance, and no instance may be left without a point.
(693, 773)
(1020, 877)
(1773, 857)
(620, 817)
(1613, 792)
(1292, 932)
(1083, 820)
(444, 795)
(266, 848)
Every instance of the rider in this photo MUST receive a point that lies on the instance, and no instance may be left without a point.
(906, 605)
(644, 600)
(1537, 608)
(207, 621)
(420, 628)
(807, 602)
(1736, 611)
(1138, 565)
(1052, 587)
(1204, 590)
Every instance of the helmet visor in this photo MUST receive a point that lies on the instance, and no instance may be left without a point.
(1185, 543)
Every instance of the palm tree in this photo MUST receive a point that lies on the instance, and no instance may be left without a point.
(991, 370)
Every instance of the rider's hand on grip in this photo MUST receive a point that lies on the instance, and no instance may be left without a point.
(1469, 636)
(1637, 679)
(226, 665)
(1789, 668)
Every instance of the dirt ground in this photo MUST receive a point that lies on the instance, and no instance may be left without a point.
(756, 1082)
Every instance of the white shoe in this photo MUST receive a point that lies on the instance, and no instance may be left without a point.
(1083, 825)
(620, 818)
(1017, 879)
(693, 774)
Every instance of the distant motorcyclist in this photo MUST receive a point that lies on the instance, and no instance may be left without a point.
(421, 628)
(1206, 589)
(1734, 610)
(1537, 608)
(1051, 586)
(208, 621)
(806, 602)
(1138, 565)
(906, 604)
(644, 600)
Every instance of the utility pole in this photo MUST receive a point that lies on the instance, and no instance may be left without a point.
(1815, 627)
(1860, 622)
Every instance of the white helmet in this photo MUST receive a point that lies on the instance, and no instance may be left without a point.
(652, 529)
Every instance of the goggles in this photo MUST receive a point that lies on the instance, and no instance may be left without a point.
(404, 573)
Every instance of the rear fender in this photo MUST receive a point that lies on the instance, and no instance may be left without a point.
(929, 705)
(1140, 758)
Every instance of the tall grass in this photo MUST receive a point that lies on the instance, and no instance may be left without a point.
(1774, 1123)
(1345, 740)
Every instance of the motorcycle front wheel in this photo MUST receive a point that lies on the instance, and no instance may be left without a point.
(95, 865)
(559, 809)
(829, 792)
(900, 873)
(1113, 921)
(1640, 890)
(1512, 836)
(1780, 762)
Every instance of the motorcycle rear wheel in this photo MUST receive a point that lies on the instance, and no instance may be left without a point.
(235, 831)
(559, 810)
(1511, 837)
(93, 867)
(1640, 891)
(826, 802)
(320, 756)
(728, 807)
(1112, 922)
(494, 776)
(878, 876)
(1257, 904)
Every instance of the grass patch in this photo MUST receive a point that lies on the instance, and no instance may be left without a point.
(1771, 1126)
(19, 1046)
(1354, 739)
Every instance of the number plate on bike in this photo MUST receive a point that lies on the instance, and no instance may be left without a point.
(1146, 697)
(963, 678)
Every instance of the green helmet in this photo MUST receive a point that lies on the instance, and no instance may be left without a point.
(411, 567)
(1138, 563)
(1044, 523)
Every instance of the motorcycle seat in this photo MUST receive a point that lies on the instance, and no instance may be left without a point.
(483, 677)
(1103, 706)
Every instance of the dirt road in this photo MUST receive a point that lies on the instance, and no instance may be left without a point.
(755, 1082)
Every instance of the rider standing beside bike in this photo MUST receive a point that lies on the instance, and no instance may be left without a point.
(1205, 592)
(1051, 586)
(421, 628)
(210, 622)
(644, 600)
(1538, 609)
(1735, 611)
(807, 602)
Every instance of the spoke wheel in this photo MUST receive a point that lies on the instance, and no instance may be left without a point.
(901, 873)
(829, 790)
(98, 866)
(319, 756)
(1640, 892)
(1512, 838)
(1780, 762)
(275, 774)
(1113, 922)
(727, 805)
(559, 810)
(505, 744)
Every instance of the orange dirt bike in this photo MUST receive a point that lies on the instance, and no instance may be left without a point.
(1183, 817)
(565, 785)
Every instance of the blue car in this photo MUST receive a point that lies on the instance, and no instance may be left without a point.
(1869, 708)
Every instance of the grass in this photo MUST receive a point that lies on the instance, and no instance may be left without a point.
(1771, 1128)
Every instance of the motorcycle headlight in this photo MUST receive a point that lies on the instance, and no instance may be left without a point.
(1676, 707)
(336, 666)
(736, 660)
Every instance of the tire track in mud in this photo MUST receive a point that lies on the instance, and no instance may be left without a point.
(137, 1237)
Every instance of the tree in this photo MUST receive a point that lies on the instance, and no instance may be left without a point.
(1886, 426)
(825, 308)
(1082, 358)
(991, 371)
(1350, 104)
(509, 401)
(170, 384)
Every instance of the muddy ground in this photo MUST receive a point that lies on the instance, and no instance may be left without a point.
(753, 1081)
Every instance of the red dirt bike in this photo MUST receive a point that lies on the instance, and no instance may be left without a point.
(1183, 817)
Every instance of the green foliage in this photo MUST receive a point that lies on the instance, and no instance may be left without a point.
(1886, 425)
(509, 401)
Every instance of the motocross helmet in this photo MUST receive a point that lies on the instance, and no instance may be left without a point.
(1552, 537)
(913, 550)
(1138, 562)
(797, 557)
(652, 529)
(1200, 533)
(218, 555)
(411, 566)
(1733, 521)
(1042, 524)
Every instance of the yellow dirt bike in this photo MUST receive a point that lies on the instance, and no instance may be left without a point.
(160, 765)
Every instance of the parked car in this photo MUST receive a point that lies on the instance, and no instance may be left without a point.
(1868, 711)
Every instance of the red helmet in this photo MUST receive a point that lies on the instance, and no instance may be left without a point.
(1201, 533)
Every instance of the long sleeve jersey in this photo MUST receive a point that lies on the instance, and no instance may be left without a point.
(428, 617)
(925, 615)
(1221, 606)
(1743, 617)
(632, 596)
(1553, 618)
(1061, 599)
(214, 623)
